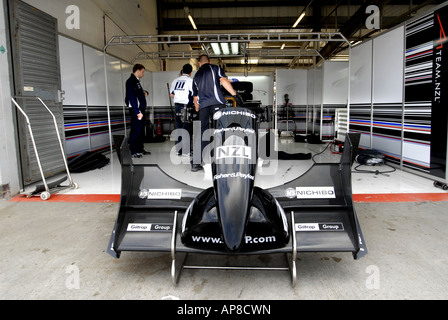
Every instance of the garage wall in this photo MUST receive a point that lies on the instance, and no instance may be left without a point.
(361, 92)
(320, 91)
(97, 25)
(377, 93)
(9, 170)
(387, 62)
(82, 77)
(315, 87)
(291, 115)
(334, 95)
(394, 79)
(86, 118)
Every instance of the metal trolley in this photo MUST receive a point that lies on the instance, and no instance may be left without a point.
(47, 189)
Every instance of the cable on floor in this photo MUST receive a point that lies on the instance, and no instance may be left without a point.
(376, 172)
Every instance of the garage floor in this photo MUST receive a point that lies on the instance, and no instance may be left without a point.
(56, 249)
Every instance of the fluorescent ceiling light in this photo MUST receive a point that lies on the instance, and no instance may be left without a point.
(340, 58)
(235, 48)
(192, 22)
(225, 48)
(216, 49)
(299, 19)
(250, 61)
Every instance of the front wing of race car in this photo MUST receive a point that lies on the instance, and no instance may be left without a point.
(313, 213)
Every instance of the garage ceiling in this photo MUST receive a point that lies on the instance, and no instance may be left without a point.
(347, 17)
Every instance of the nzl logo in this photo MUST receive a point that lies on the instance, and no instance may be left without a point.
(233, 152)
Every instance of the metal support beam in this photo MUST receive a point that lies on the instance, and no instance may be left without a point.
(261, 53)
(236, 37)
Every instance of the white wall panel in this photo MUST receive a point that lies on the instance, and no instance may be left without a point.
(160, 96)
(335, 82)
(417, 153)
(361, 73)
(94, 70)
(115, 82)
(310, 87)
(388, 54)
(318, 83)
(72, 72)
(294, 83)
(73, 83)
(387, 145)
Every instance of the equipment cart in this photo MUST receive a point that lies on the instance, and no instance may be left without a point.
(46, 189)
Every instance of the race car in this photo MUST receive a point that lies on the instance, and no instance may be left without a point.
(312, 213)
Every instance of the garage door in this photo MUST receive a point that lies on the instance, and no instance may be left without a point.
(34, 41)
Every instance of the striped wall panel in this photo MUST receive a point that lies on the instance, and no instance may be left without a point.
(425, 117)
(88, 129)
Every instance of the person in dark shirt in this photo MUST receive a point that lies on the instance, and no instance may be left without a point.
(208, 98)
(136, 101)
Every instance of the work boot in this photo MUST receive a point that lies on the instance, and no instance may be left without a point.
(196, 167)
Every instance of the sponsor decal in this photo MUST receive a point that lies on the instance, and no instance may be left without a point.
(235, 129)
(143, 194)
(312, 193)
(291, 193)
(219, 114)
(247, 239)
(149, 227)
(233, 152)
(439, 62)
(233, 175)
(331, 226)
(160, 194)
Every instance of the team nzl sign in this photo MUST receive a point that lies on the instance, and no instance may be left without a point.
(439, 60)
(439, 115)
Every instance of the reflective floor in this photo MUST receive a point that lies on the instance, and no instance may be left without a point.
(270, 173)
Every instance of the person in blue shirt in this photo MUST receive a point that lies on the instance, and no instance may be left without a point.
(136, 101)
(208, 98)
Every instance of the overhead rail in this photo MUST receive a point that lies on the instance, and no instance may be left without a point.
(236, 37)
(265, 53)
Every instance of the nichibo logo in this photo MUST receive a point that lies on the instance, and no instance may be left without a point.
(160, 194)
(311, 193)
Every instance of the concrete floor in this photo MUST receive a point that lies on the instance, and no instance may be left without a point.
(56, 250)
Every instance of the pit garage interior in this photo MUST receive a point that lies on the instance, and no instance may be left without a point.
(376, 70)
